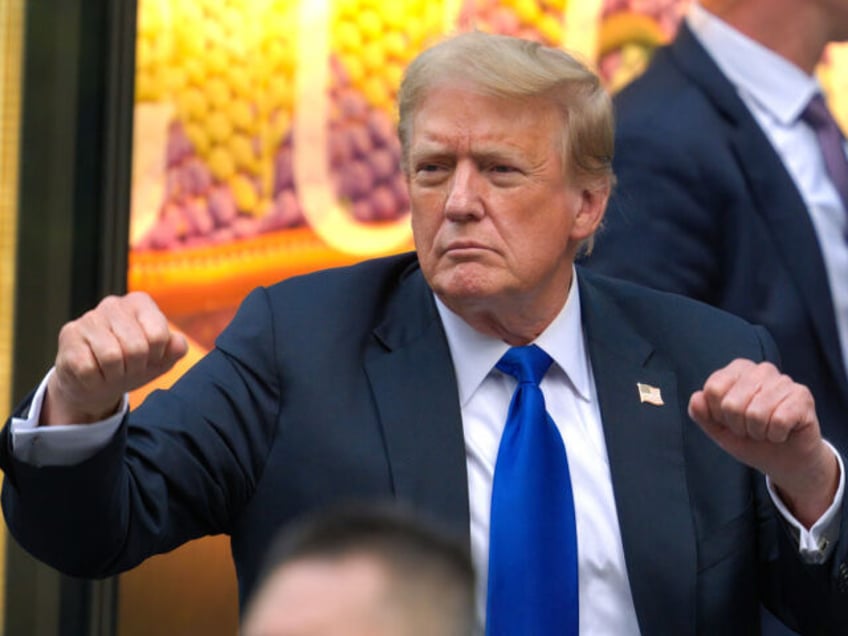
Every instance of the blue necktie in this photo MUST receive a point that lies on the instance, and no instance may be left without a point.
(532, 538)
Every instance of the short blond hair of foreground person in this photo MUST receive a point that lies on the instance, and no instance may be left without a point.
(357, 571)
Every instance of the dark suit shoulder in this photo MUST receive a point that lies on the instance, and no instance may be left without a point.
(682, 93)
(330, 308)
(676, 323)
(654, 304)
(658, 92)
(369, 276)
(682, 205)
(345, 294)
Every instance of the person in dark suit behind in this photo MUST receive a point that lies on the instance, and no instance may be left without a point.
(364, 570)
(723, 191)
(653, 417)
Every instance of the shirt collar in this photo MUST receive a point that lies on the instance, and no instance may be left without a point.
(475, 354)
(777, 86)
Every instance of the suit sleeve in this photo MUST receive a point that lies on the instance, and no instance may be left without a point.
(182, 465)
(812, 598)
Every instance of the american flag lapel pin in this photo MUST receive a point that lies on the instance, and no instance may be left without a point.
(649, 394)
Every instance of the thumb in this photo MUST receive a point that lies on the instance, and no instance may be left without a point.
(177, 347)
(699, 410)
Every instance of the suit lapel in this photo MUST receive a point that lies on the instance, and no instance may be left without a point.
(414, 387)
(645, 448)
(778, 200)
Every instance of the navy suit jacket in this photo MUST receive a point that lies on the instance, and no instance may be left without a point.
(340, 385)
(705, 207)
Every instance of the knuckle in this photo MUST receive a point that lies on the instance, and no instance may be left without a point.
(805, 395)
(67, 334)
(714, 388)
(138, 296)
(76, 362)
(110, 355)
(732, 404)
(109, 303)
(140, 300)
(758, 414)
(785, 381)
(158, 332)
(740, 367)
(136, 348)
(768, 366)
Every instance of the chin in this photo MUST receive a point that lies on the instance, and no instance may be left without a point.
(464, 282)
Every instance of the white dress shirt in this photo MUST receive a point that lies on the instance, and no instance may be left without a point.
(776, 92)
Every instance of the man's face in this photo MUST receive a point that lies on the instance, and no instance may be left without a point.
(323, 597)
(495, 220)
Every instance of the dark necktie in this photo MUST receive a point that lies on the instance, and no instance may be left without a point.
(831, 142)
(532, 589)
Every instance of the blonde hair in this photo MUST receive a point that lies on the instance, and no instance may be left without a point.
(514, 68)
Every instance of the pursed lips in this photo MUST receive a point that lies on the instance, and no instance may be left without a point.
(459, 248)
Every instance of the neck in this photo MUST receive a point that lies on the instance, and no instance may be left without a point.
(515, 320)
(515, 330)
(796, 30)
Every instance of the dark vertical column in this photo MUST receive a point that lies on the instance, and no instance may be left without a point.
(76, 145)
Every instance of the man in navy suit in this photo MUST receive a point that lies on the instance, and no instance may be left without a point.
(723, 193)
(380, 381)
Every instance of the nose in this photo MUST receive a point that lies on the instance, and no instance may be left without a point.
(464, 201)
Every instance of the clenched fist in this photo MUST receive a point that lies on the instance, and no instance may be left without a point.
(767, 421)
(119, 346)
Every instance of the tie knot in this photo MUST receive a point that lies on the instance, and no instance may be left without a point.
(817, 115)
(526, 364)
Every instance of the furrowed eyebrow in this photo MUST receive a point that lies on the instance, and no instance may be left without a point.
(484, 155)
(430, 157)
(430, 147)
(496, 156)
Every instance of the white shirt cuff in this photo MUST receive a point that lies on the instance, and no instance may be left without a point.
(61, 444)
(816, 544)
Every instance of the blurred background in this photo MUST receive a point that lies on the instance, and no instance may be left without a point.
(195, 149)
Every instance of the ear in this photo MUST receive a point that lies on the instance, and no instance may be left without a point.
(593, 205)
